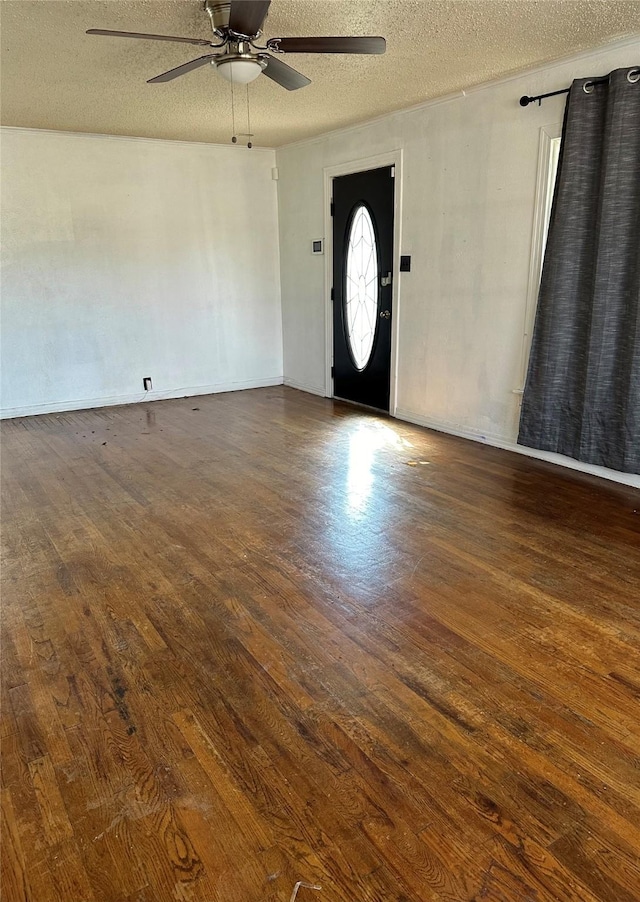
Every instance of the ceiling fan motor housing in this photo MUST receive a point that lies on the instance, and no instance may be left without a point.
(218, 11)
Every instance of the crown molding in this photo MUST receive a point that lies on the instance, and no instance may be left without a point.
(136, 138)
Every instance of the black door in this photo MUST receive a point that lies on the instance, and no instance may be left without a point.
(362, 273)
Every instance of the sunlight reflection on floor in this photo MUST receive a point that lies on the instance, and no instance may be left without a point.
(365, 444)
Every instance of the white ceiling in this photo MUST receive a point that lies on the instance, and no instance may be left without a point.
(56, 77)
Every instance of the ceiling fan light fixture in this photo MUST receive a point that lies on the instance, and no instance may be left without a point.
(239, 70)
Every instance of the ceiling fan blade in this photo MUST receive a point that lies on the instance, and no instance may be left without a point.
(183, 69)
(286, 76)
(328, 45)
(149, 37)
(246, 16)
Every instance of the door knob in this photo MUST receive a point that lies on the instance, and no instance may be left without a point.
(386, 280)
(385, 314)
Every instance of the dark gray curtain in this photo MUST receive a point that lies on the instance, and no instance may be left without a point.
(582, 394)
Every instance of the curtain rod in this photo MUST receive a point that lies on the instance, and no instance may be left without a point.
(525, 101)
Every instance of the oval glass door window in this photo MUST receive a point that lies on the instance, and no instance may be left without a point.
(361, 290)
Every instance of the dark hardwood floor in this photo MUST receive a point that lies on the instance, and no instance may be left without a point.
(256, 638)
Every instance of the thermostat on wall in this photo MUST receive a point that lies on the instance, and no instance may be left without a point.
(317, 247)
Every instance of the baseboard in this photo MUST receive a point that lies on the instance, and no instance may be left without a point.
(141, 397)
(302, 386)
(495, 441)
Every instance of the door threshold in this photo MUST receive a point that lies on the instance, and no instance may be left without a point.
(379, 410)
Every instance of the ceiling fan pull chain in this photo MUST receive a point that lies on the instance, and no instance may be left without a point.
(249, 135)
(234, 139)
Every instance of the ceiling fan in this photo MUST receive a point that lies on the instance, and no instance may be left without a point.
(237, 25)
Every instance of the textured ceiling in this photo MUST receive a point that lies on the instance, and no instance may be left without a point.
(56, 77)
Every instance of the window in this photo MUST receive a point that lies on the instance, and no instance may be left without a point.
(552, 172)
(361, 290)
(549, 154)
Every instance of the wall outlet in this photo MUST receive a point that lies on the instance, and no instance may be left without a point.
(146, 382)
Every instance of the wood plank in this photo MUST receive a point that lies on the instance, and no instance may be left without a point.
(13, 869)
(55, 820)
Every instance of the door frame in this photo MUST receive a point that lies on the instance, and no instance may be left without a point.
(392, 158)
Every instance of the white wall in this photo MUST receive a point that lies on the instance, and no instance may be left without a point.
(469, 182)
(125, 258)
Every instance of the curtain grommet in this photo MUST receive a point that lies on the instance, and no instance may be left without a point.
(633, 76)
(588, 87)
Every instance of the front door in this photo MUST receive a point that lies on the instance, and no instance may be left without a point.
(362, 274)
